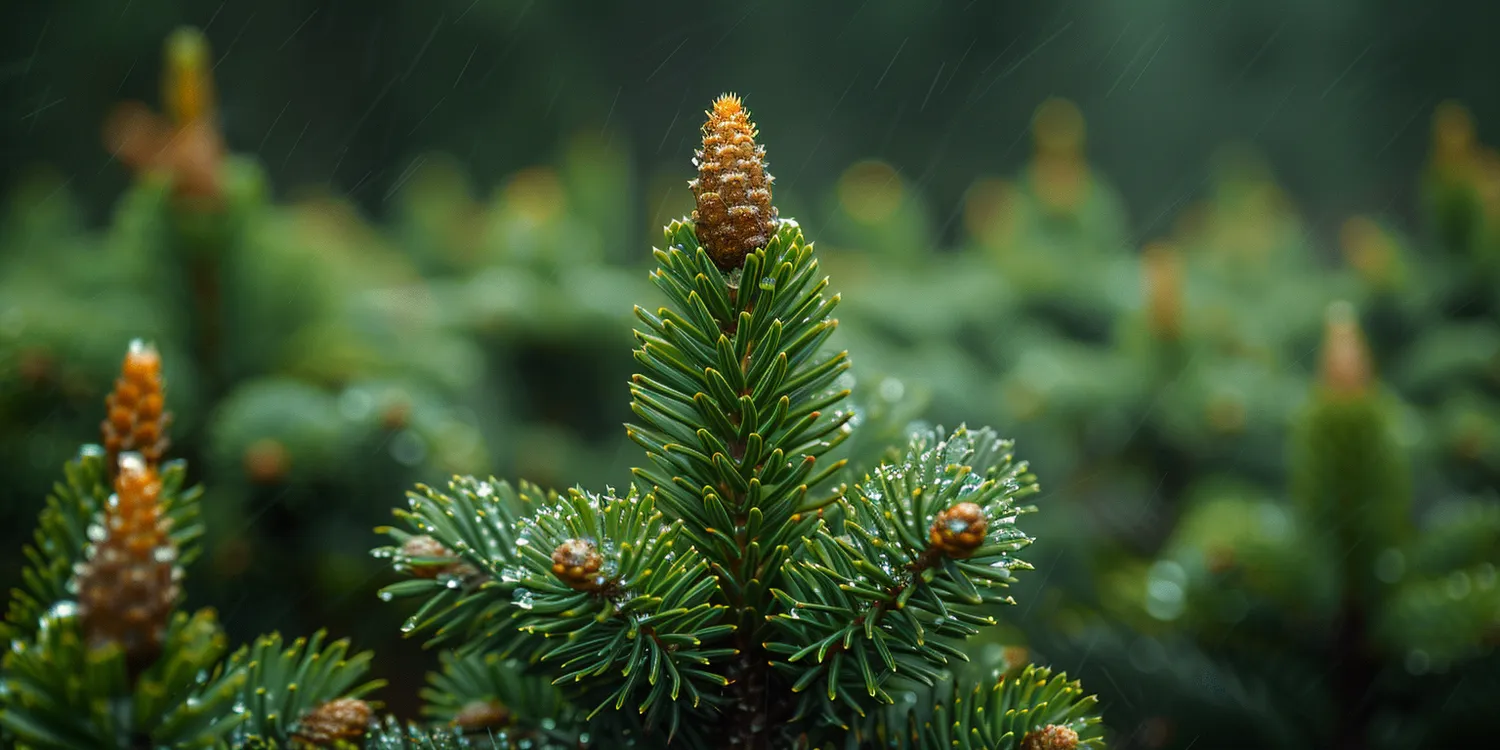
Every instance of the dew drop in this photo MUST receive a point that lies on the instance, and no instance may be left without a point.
(63, 609)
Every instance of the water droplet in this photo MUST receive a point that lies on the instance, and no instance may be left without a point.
(1458, 585)
(1390, 565)
(164, 554)
(523, 599)
(63, 609)
(409, 625)
(1417, 662)
(385, 596)
(355, 404)
(892, 389)
(484, 490)
(408, 448)
(96, 532)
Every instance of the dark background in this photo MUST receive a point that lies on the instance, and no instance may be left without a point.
(349, 97)
(1336, 93)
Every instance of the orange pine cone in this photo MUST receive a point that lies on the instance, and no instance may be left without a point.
(130, 583)
(136, 420)
(734, 214)
(187, 143)
(1346, 369)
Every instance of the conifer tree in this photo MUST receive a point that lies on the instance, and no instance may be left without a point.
(102, 656)
(742, 590)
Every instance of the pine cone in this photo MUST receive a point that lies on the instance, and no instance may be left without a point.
(959, 530)
(480, 715)
(734, 214)
(129, 585)
(342, 719)
(1050, 737)
(577, 563)
(426, 546)
(136, 421)
(187, 143)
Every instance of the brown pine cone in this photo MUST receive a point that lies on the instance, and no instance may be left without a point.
(479, 715)
(734, 214)
(577, 563)
(129, 585)
(342, 719)
(959, 530)
(425, 546)
(1050, 737)
(136, 420)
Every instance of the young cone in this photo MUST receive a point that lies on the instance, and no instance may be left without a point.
(135, 419)
(130, 583)
(734, 214)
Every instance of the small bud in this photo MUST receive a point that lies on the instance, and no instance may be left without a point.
(187, 84)
(734, 215)
(577, 564)
(1162, 271)
(1058, 128)
(267, 461)
(426, 546)
(337, 720)
(1346, 359)
(134, 417)
(396, 415)
(959, 530)
(480, 715)
(1367, 248)
(1050, 737)
(1453, 132)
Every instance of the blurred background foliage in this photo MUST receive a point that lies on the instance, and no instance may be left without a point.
(382, 242)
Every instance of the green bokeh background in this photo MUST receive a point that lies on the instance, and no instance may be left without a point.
(502, 168)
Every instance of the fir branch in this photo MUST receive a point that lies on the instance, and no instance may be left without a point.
(480, 694)
(459, 552)
(734, 399)
(634, 626)
(285, 684)
(392, 734)
(68, 525)
(890, 589)
(1017, 712)
(62, 694)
